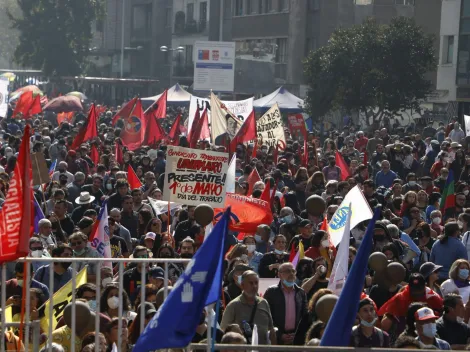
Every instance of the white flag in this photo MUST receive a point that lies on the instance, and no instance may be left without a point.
(467, 124)
(340, 267)
(230, 180)
(3, 98)
(161, 206)
(101, 240)
(360, 211)
(254, 337)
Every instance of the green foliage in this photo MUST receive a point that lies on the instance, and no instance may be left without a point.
(8, 36)
(371, 67)
(55, 35)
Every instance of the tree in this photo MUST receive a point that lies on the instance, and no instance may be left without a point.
(371, 68)
(55, 35)
(8, 36)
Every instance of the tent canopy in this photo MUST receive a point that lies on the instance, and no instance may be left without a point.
(287, 101)
(176, 94)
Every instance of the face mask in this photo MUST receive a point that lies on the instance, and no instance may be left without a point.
(20, 283)
(92, 305)
(79, 252)
(412, 183)
(436, 221)
(367, 324)
(251, 248)
(466, 192)
(239, 279)
(460, 223)
(288, 283)
(37, 253)
(460, 320)
(258, 238)
(292, 162)
(463, 274)
(325, 243)
(109, 186)
(113, 302)
(277, 251)
(106, 281)
(287, 219)
(430, 330)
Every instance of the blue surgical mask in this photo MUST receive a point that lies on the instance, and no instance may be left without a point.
(367, 324)
(288, 283)
(92, 305)
(287, 219)
(430, 330)
(20, 283)
(239, 279)
(463, 274)
(277, 251)
(258, 238)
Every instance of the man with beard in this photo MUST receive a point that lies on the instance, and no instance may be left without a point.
(62, 271)
(187, 248)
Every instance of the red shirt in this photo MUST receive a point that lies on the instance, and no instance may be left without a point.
(361, 144)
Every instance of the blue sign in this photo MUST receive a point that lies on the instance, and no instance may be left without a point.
(339, 219)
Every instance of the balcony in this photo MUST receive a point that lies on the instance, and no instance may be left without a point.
(192, 27)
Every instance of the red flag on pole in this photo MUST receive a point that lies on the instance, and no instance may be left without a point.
(175, 130)
(247, 132)
(125, 111)
(17, 214)
(153, 133)
(199, 128)
(23, 104)
(83, 134)
(343, 166)
(94, 155)
(118, 153)
(159, 107)
(266, 195)
(134, 128)
(35, 106)
(132, 178)
(253, 177)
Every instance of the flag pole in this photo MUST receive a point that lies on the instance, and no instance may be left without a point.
(23, 303)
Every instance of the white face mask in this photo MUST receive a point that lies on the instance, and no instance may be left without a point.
(460, 223)
(109, 186)
(460, 320)
(436, 221)
(430, 330)
(325, 243)
(466, 192)
(251, 248)
(412, 183)
(113, 302)
(37, 253)
(106, 281)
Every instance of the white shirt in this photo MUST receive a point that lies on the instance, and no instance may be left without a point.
(449, 286)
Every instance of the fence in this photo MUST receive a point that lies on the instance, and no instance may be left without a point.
(35, 326)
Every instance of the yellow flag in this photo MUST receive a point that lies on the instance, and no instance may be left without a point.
(61, 299)
(8, 314)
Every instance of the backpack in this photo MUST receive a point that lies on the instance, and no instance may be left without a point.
(355, 335)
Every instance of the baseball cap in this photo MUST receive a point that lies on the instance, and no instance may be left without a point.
(428, 268)
(424, 314)
(150, 235)
(157, 273)
(416, 281)
(149, 308)
(305, 223)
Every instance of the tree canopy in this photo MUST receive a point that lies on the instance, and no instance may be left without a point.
(371, 68)
(55, 35)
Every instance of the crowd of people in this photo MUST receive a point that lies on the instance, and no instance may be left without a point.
(405, 175)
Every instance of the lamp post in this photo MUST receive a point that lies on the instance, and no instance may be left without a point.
(165, 49)
(122, 37)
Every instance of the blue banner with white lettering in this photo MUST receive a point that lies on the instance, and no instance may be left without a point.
(175, 323)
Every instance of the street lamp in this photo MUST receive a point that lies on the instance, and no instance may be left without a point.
(165, 49)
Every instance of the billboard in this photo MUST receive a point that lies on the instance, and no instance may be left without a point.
(214, 66)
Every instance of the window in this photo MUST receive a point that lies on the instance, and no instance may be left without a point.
(314, 5)
(363, 2)
(190, 12)
(281, 55)
(283, 5)
(238, 10)
(448, 50)
(465, 26)
(142, 20)
(202, 16)
(405, 2)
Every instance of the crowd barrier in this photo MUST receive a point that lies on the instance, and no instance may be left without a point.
(34, 326)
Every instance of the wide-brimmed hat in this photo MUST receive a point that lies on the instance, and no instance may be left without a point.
(84, 198)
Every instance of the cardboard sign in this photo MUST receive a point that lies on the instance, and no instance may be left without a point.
(40, 169)
(297, 126)
(194, 177)
(270, 129)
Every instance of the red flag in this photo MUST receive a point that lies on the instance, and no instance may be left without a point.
(35, 106)
(253, 177)
(153, 133)
(23, 104)
(94, 155)
(17, 214)
(159, 107)
(247, 213)
(125, 111)
(197, 118)
(118, 153)
(293, 253)
(134, 128)
(201, 130)
(247, 132)
(255, 149)
(83, 134)
(64, 116)
(175, 130)
(91, 126)
(343, 166)
(132, 178)
(266, 195)
(324, 224)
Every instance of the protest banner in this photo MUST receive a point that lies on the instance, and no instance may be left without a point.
(297, 126)
(269, 127)
(241, 108)
(195, 176)
(40, 169)
(61, 298)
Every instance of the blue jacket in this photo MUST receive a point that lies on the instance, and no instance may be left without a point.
(386, 180)
(446, 254)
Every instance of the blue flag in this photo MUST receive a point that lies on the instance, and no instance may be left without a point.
(175, 323)
(338, 330)
(38, 215)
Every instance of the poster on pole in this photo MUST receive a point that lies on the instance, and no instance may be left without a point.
(467, 124)
(269, 127)
(240, 108)
(297, 126)
(214, 66)
(194, 176)
(3, 97)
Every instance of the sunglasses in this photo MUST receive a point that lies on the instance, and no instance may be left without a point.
(73, 244)
(36, 248)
